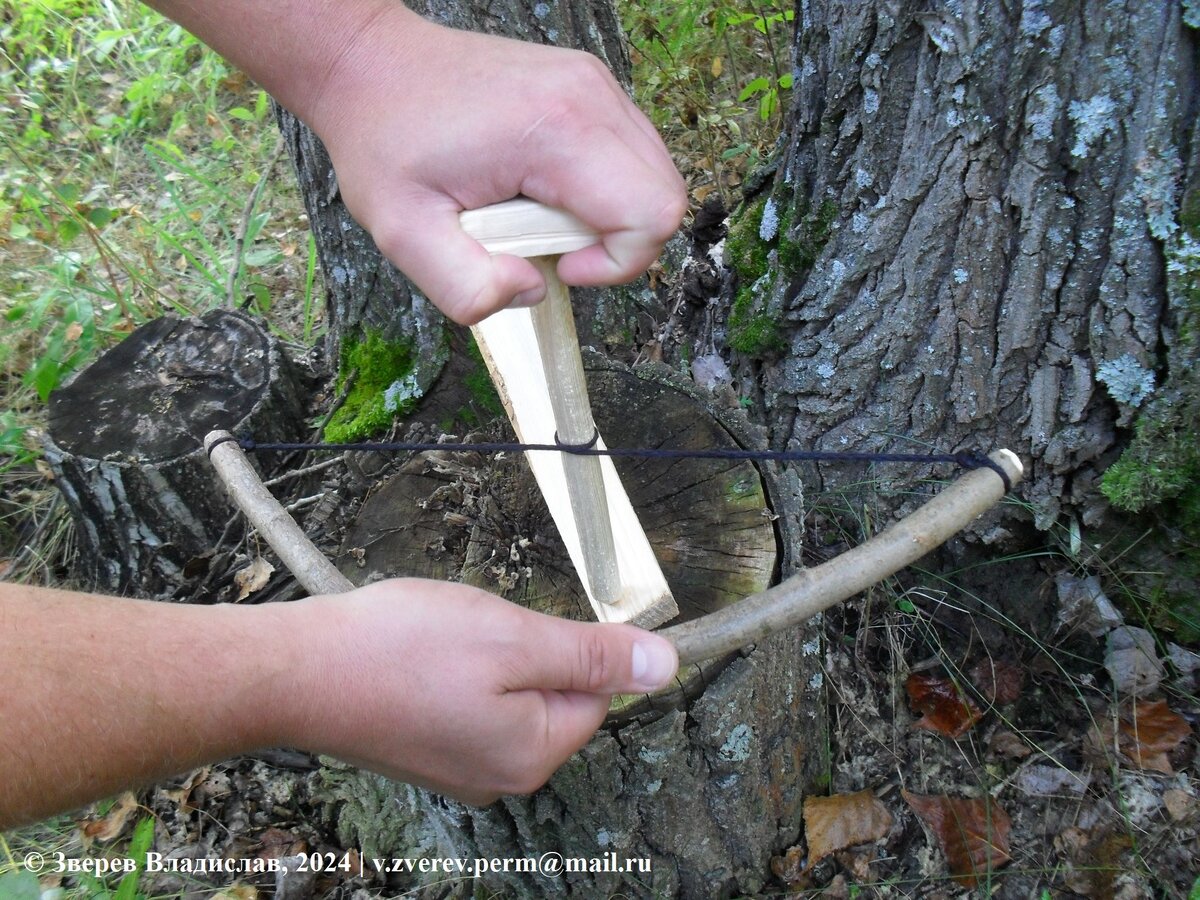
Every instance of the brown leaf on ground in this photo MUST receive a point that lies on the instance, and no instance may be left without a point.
(276, 843)
(790, 867)
(1146, 733)
(110, 826)
(1009, 745)
(1093, 860)
(973, 833)
(943, 707)
(182, 795)
(999, 680)
(841, 821)
(253, 577)
(1180, 804)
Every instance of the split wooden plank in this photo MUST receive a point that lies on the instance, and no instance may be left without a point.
(589, 505)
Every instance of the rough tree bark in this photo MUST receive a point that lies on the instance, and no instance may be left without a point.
(974, 200)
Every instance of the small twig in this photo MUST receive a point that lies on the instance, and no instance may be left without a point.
(305, 502)
(316, 573)
(239, 241)
(307, 470)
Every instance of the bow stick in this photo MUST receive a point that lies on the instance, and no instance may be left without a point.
(789, 603)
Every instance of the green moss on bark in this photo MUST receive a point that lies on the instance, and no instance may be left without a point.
(382, 381)
(1161, 466)
(769, 241)
(800, 247)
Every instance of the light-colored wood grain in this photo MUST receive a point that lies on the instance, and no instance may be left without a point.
(507, 341)
(590, 507)
(524, 227)
(558, 345)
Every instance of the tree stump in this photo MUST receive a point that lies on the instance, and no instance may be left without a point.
(707, 788)
(125, 442)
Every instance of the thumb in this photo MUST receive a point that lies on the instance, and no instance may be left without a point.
(598, 659)
(462, 279)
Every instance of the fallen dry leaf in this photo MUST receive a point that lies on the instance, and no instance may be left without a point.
(1093, 861)
(790, 867)
(1083, 606)
(1009, 745)
(1148, 732)
(944, 708)
(110, 826)
(999, 680)
(1049, 781)
(73, 332)
(973, 833)
(841, 821)
(182, 795)
(252, 578)
(1143, 738)
(277, 843)
(857, 863)
(1131, 658)
(1179, 803)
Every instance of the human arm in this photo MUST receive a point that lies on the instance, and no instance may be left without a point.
(436, 684)
(423, 121)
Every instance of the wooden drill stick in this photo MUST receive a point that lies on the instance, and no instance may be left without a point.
(546, 395)
(558, 344)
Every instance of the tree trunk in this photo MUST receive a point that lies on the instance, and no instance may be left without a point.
(125, 442)
(972, 209)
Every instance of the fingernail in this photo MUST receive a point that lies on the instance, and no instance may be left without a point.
(531, 297)
(653, 664)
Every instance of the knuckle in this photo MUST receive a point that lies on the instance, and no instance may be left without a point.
(529, 782)
(469, 310)
(595, 663)
(523, 779)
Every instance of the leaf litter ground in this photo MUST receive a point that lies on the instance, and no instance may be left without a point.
(988, 722)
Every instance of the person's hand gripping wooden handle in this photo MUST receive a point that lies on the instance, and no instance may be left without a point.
(529, 229)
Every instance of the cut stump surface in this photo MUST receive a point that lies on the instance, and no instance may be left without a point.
(125, 442)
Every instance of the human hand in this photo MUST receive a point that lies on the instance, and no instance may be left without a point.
(423, 121)
(451, 688)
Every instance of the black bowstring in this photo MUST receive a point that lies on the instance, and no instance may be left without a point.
(967, 460)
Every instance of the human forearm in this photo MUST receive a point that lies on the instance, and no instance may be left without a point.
(100, 693)
(437, 684)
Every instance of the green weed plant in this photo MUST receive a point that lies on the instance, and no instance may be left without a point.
(714, 79)
(127, 152)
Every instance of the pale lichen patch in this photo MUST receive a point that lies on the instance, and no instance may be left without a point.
(1093, 119)
(1127, 380)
